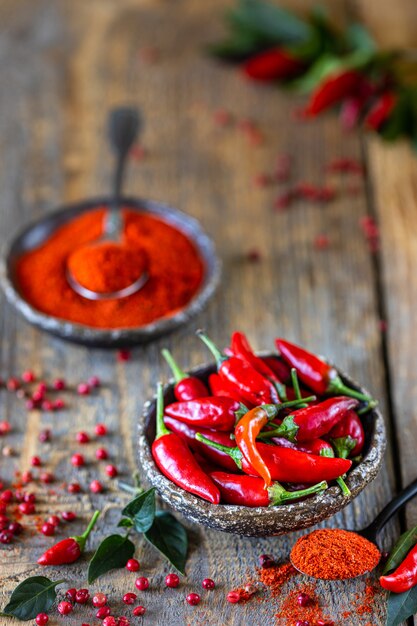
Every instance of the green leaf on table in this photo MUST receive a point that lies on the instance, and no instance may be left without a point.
(359, 38)
(400, 606)
(32, 596)
(401, 549)
(141, 510)
(125, 522)
(268, 22)
(169, 536)
(113, 552)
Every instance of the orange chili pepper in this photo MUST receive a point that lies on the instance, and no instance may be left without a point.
(246, 432)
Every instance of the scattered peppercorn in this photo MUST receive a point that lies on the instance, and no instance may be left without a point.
(193, 599)
(133, 565)
(142, 583)
(172, 580)
(64, 608)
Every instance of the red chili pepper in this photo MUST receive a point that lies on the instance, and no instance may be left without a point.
(332, 90)
(273, 64)
(321, 377)
(187, 387)
(381, 110)
(176, 461)
(242, 349)
(188, 433)
(215, 412)
(315, 446)
(246, 432)
(68, 550)
(348, 436)
(287, 465)
(252, 386)
(250, 490)
(314, 421)
(219, 387)
(279, 367)
(404, 577)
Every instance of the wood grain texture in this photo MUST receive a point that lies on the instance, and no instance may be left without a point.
(64, 65)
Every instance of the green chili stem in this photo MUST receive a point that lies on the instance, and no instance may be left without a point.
(178, 373)
(161, 429)
(218, 355)
(81, 539)
(329, 452)
(234, 453)
(336, 385)
(295, 383)
(278, 494)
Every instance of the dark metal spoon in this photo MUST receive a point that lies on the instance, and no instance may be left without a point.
(124, 126)
(372, 531)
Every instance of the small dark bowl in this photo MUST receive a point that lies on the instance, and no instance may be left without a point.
(262, 521)
(37, 232)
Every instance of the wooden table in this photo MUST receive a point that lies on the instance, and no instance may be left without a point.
(62, 65)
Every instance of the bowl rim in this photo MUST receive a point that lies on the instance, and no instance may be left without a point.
(357, 478)
(187, 224)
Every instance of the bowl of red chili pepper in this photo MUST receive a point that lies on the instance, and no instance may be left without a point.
(182, 266)
(260, 444)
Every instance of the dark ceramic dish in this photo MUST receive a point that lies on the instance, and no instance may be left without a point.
(262, 521)
(37, 232)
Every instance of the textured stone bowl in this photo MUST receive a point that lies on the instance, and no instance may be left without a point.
(36, 233)
(262, 521)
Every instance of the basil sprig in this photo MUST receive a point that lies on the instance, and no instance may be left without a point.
(34, 595)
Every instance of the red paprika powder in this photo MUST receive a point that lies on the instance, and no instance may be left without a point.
(174, 266)
(334, 554)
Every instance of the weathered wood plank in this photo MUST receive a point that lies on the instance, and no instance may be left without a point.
(89, 58)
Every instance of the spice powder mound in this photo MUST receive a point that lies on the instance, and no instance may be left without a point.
(334, 554)
(174, 266)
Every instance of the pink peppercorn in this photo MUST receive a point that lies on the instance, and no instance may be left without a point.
(123, 621)
(6, 496)
(82, 596)
(28, 376)
(302, 622)
(142, 583)
(103, 612)
(46, 477)
(13, 384)
(15, 527)
(45, 435)
(47, 405)
(96, 486)
(59, 384)
(233, 597)
(27, 477)
(111, 471)
(138, 611)
(6, 536)
(68, 516)
(58, 404)
(124, 355)
(321, 242)
(100, 430)
(35, 461)
(82, 437)
(54, 520)
(129, 598)
(42, 387)
(101, 454)
(5, 428)
(303, 599)
(74, 488)
(37, 396)
(208, 583)
(64, 608)
(41, 619)
(48, 529)
(27, 508)
(110, 621)
(71, 593)
(77, 460)
(28, 497)
(193, 599)
(172, 580)
(30, 404)
(94, 381)
(83, 389)
(99, 600)
(133, 565)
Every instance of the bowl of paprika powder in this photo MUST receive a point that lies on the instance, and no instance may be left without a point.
(260, 521)
(183, 270)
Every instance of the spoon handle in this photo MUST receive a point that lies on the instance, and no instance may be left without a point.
(392, 507)
(124, 124)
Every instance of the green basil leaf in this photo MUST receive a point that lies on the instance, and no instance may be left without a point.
(125, 523)
(401, 549)
(268, 22)
(141, 510)
(32, 596)
(113, 552)
(400, 606)
(169, 536)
